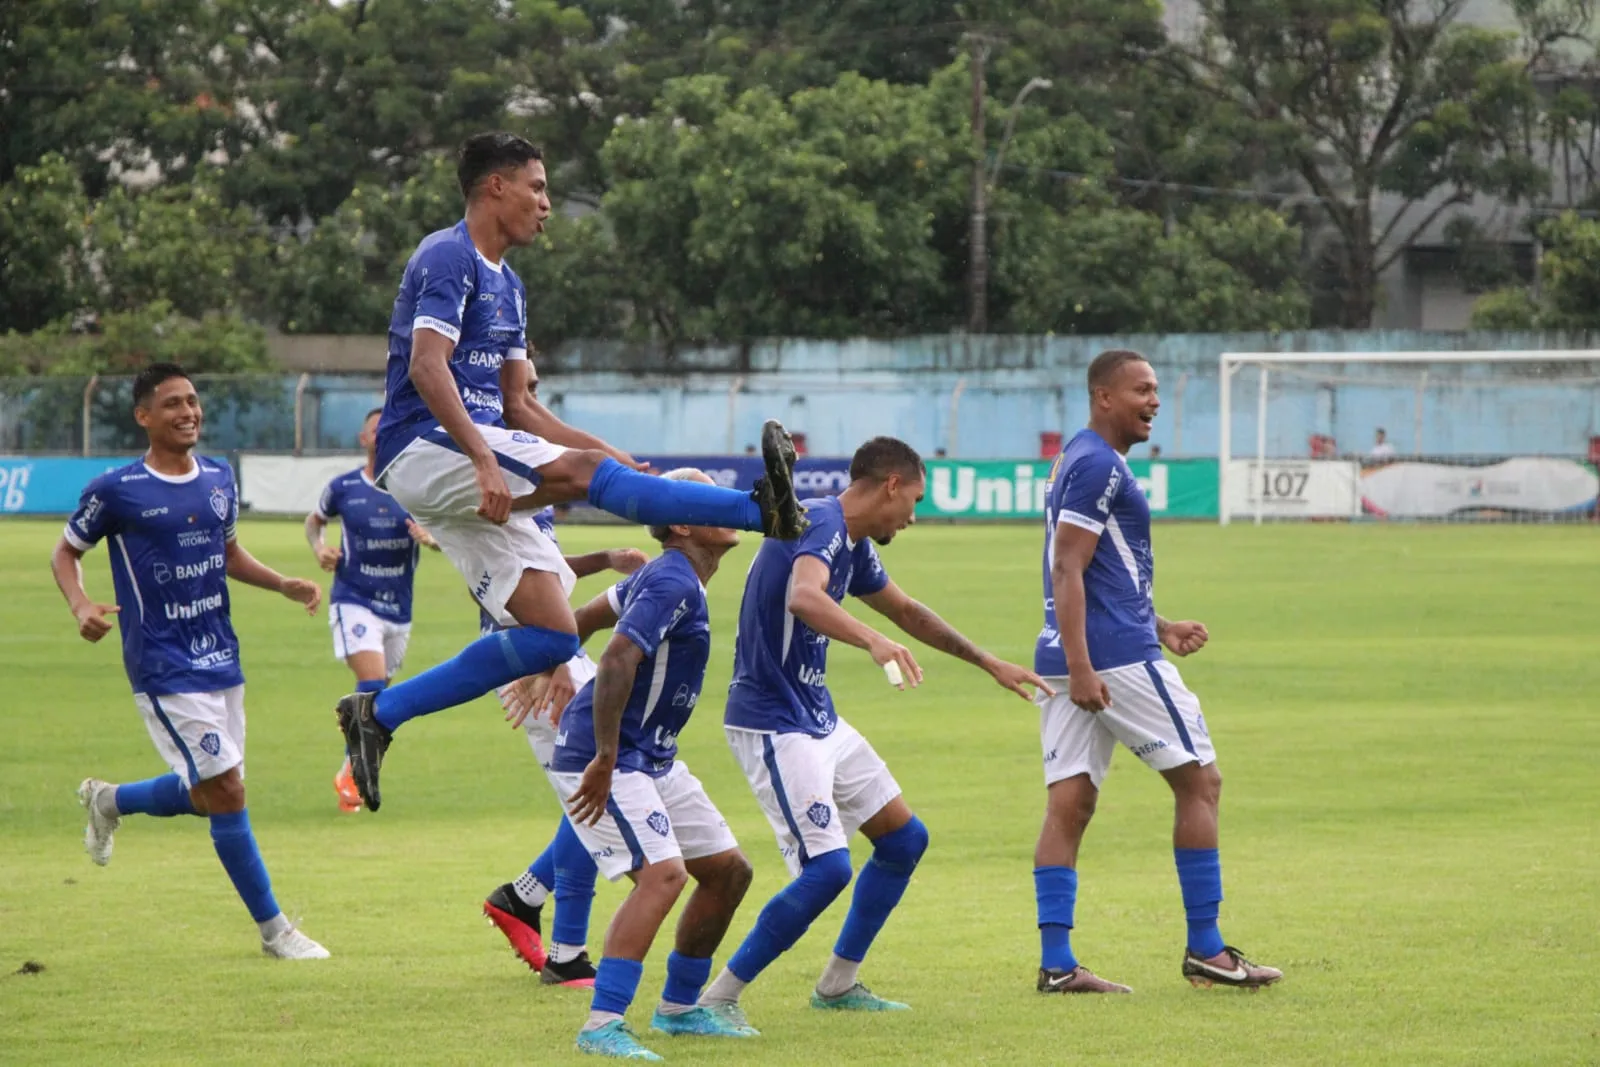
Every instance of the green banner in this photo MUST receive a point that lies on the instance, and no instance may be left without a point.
(1014, 489)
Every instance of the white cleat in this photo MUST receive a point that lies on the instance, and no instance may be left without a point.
(97, 836)
(293, 945)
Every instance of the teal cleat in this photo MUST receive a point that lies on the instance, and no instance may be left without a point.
(614, 1039)
(857, 998)
(718, 1020)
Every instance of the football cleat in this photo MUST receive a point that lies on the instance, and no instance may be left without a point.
(293, 945)
(857, 998)
(97, 835)
(577, 973)
(720, 1020)
(345, 786)
(1234, 970)
(1078, 980)
(614, 1039)
(781, 517)
(365, 742)
(519, 922)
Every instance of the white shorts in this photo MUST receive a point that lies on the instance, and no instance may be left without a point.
(541, 734)
(1152, 712)
(650, 820)
(815, 791)
(438, 486)
(359, 629)
(199, 735)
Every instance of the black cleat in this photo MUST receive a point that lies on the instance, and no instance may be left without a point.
(519, 922)
(781, 517)
(575, 972)
(365, 741)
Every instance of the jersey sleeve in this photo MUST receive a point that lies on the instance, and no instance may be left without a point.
(1090, 484)
(867, 575)
(651, 608)
(328, 504)
(95, 517)
(445, 283)
(519, 293)
(824, 538)
(230, 526)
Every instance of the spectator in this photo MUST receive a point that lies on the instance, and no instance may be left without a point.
(939, 453)
(1381, 448)
(749, 450)
(1155, 451)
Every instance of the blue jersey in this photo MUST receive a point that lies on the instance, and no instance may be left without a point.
(378, 557)
(1091, 487)
(661, 608)
(448, 287)
(169, 566)
(779, 663)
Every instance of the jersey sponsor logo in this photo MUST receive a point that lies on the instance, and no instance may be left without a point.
(379, 544)
(492, 360)
(658, 821)
(480, 398)
(833, 547)
(201, 644)
(686, 697)
(372, 570)
(1104, 503)
(666, 739)
(219, 502)
(161, 573)
(820, 815)
(195, 608)
(139, 477)
(211, 743)
(91, 510)
(817, 676)
(603, 853)
(150, 513)
(191, 538)
(1148, 747)
(199, 570)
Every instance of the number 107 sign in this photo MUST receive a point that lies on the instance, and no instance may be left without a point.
(1297, 489)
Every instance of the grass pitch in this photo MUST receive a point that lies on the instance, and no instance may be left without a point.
(1407, 725)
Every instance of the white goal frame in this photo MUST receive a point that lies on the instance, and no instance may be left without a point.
(1230, 363)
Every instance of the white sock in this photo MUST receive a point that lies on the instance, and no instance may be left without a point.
(105, 802)
(530, 890)
(565, 953)
(667, 1007)
(597, 1019)
(838, 976)
(274, 926)
(724, 989)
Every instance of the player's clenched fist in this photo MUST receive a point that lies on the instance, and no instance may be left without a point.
(92, 621)
(1085, 689)
(303, 591)
(327, 557)
(496, 505)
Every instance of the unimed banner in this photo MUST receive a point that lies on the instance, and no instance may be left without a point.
(48, 485)
(1014, 489)
(1533, 485)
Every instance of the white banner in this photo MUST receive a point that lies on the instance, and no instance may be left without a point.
(1293, 489)
(1537, 484)
(289, 485)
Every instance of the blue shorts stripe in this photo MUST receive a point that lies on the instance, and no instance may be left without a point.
(769, 756)
(515, 466)
(629, 838)
(1172, 709)
(172, 732)
(343, 642)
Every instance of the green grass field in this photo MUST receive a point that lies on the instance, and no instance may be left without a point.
(1407, 723)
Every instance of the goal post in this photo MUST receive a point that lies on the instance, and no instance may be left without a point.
(1525, 422)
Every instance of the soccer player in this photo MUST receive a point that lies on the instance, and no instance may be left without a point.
(171, 519)
(817, 779)
(564, 869)
(374, 566)
(469, 452)
(1101, 646)
(636, 807)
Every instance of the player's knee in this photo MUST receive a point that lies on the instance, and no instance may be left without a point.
(1213, 784)
(1072, 804)
(541, 642)
(571, 473)
(221, 795)
(731, 877)
(900, 850)
(828, 873)
(665, 879)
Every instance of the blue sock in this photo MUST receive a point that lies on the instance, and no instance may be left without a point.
(1055, 889)
(372, 685)
(615, 983)
(574, 887)
(236, 848)
(882, 883)
(162, 797)
(485, 665)
(686, 975)
(651, 500)
(544, 868)
(1200, 878)
(788, 915)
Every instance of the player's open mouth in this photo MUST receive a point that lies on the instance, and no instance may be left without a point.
(1148, 418)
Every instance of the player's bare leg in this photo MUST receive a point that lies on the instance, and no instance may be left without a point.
(1069, 805)
(1197, 792)
(656, 888)
(721, 882)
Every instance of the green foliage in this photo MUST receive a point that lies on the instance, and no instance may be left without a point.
(123, 341)
(43, 275)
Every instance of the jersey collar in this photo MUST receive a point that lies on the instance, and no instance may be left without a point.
(174, 479)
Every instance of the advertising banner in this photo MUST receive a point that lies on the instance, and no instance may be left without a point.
(1534, 485)
(48, 485)
(1294, 489)
(1014, 489)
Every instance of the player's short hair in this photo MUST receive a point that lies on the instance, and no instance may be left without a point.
(150, 379)
(368, 415)
(677, 474)
(883, 456)
(1107, 363)
(485, 153)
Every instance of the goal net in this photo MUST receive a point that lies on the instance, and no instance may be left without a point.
(1425, 436)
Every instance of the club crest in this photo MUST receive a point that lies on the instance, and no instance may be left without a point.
(657, 821)
(219, 503)
(820, 815)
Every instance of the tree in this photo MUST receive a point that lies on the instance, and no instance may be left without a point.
(1569, 283)
(43, 272)
(1376, 96)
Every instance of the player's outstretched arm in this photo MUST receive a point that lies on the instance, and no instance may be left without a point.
(93, 623)
(923, 623)
(243, 567)
(618, 665)
(621, 560)
(598, 614)
(810, 603)
(1072, 550)
(523, 411)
